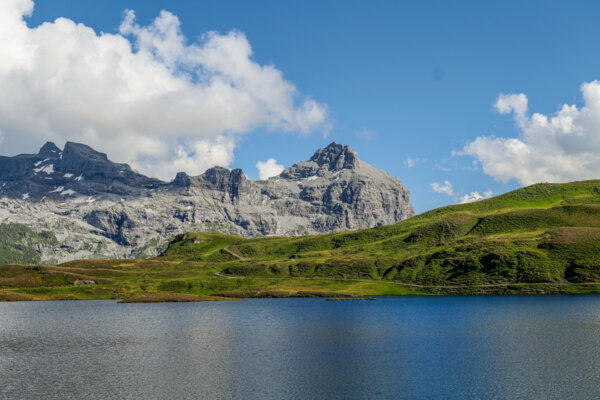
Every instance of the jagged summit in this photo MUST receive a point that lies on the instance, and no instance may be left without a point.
(50, 149)
(77, 170)
(333, 158)
(182, 180)
(80, 170)
(83, 151)
(97, 207)
(336, 157)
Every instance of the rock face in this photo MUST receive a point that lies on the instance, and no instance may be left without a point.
(97, 208)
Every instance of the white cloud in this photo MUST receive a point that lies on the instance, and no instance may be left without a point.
(561, 147)
(146, 95)
(507, 103)
(412, 162)
(475, 196)
(445, 188)
(269, 168)
(198, 156)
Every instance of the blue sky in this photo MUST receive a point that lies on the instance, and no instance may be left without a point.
(399, 79)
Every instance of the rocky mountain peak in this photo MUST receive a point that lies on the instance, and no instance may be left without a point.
(220, 176)
(77, 152)
(182, 180)
(49, 150)
(226, 181)
(216, 175)
(336, 157)
(333, 158)
(76, 171)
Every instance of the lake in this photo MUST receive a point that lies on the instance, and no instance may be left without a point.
(520, 347)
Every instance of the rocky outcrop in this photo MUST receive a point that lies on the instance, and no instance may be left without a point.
(113, 225)
(97, 208)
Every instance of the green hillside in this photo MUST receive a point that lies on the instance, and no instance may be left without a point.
(542, 233)
(18, 243)
(543, 238)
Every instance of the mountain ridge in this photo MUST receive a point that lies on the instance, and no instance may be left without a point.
(97, 208)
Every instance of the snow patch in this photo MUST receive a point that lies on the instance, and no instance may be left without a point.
(25, 196)
(80, 177)
(40, 162)
(68, 192)
(68, 175)
(58, 189)
(49, 169)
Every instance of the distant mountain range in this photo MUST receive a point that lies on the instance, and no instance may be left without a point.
(75, 203)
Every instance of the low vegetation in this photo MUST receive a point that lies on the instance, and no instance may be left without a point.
(18, 243)
(543, 238)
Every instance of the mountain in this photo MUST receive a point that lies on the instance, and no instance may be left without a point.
(543, 238)
(75, 203)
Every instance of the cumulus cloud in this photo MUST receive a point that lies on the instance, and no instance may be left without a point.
(475, 196)
(269, 168)
(445, 188)
(561, 147)
(146, 95)
(507, 103)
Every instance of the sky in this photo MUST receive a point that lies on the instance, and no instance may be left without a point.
(459, 100)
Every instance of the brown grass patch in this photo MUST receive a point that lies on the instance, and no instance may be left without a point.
(317, 293)
(172, 298)
(10, 296)
(239, 294)
(87, 270)
(255, 293)
(21, 281)
(570, 236)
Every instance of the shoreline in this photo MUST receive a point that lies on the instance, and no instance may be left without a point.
(115, 292)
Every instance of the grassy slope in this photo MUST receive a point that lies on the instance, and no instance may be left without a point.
(18, 243)
(543, 238)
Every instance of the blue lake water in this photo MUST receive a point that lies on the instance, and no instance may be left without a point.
(522, 347)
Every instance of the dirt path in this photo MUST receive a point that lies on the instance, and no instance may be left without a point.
(229, 276)
(233, 253)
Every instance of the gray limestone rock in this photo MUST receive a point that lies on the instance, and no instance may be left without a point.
(97, 208)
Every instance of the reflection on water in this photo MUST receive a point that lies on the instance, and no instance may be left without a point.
(403, 347)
